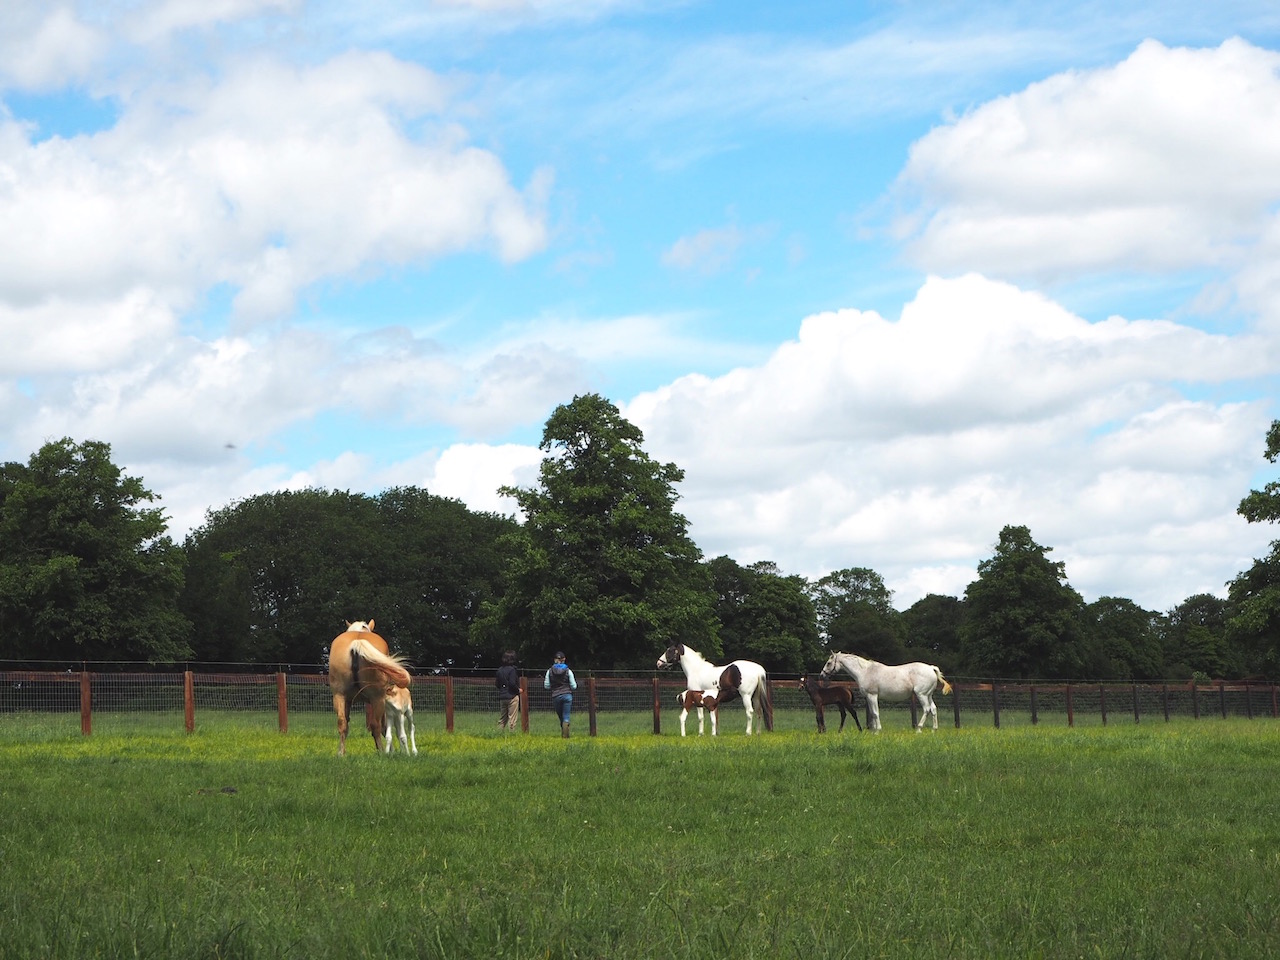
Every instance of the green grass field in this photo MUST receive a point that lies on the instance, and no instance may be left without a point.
(1151, 840)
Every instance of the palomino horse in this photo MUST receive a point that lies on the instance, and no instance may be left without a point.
(877, 680)
(824, 692)
(360, 670)
(398, 703)
(742, 677)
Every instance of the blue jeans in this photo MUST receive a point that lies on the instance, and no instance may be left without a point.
(561, 706)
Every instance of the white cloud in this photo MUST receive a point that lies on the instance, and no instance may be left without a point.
(907, 446)
(44, 46)
(1164, 162)
(707, 251)
(270, 180)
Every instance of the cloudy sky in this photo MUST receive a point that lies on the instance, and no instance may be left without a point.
(881, 277)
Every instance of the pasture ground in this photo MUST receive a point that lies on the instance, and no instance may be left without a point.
(1150, 840)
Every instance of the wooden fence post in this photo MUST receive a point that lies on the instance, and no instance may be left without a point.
(1164, 697)
(282, 702)
(1034, 715)
(1071, 710)
(591, 705)
(1102, 702)
(86, 704)
(448, 703)
(1248, 700)
(189, 700)
(524, 704)
(657, 707)
(955, 703)
(995, 704)
(1136, 718)
(1222, 697)
(1195, 699)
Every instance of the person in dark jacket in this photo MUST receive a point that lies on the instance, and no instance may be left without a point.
(508, 684)
(561, 682)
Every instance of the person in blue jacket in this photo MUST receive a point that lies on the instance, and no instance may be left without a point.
(561, 682)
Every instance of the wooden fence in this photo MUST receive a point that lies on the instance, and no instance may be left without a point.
(439, 698)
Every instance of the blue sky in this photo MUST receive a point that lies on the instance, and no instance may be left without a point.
(881, 277)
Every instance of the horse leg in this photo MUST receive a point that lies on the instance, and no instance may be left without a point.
(701, 720)
(873, 711)
(374, 715)
(933, 710)
(386, 734)
(746, 705)
(840, 706)
(822, 720)
(342, 707)
(684, 715)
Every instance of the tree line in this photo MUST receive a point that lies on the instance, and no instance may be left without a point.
(602, 566)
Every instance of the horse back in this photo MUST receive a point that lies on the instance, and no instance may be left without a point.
(344, 662)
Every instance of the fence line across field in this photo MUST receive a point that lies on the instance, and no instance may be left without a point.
(439, 698)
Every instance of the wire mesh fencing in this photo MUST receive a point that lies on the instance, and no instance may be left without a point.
(604, 703)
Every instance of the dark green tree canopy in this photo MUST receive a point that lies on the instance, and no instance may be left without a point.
(765, 616)
(855, 614)
(931, 628)
(1123, 641)
(275, 577)
(86, 571)
(605, 569)
(1255, 594)
(1022, 617)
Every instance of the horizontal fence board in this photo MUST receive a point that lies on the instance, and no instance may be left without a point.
(471, 696)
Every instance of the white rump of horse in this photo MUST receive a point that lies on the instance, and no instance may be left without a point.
(743, 678)
(877, 680)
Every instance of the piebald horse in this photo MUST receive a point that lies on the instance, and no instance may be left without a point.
(742, 678)
(877, 680)
(689, 700)
(361, 668)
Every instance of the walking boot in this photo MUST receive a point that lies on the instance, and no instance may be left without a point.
(564, 729)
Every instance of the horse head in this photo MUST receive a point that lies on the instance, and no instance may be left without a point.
(832, 665)
(672, 656)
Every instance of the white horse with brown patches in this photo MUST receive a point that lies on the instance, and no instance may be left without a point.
(691, 700)
(877, 680)
(743, 678)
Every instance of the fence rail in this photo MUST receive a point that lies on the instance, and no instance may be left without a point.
(440, 698)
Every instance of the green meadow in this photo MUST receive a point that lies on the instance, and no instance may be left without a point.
(1138, 840)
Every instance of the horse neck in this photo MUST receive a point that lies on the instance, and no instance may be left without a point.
(695, 666)
(854, 663)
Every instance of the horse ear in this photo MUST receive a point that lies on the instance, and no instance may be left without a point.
(371, 626)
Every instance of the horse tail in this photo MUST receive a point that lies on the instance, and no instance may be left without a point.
(390, 667)
(766, 703)
(946, 687)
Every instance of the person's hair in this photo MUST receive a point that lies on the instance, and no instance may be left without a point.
(508, 658)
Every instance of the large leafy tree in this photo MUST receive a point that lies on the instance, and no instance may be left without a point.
(855, 614)
(1123, 641)
(273, 578)
(764, 616)
(1255, 594)
(1195, 638)
(605, 568)
(1022, 618)
(86, 570)
(931, 627)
